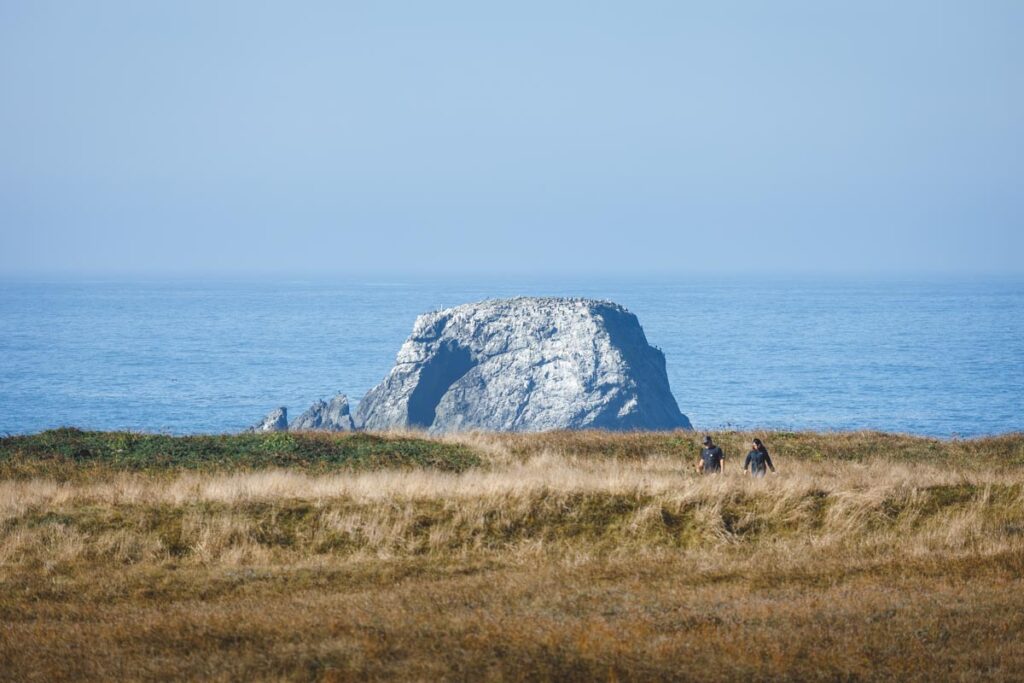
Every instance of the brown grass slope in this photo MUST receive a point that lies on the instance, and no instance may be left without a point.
(556, 556)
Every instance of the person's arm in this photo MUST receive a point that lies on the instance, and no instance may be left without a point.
(746, 463)
(768, 460)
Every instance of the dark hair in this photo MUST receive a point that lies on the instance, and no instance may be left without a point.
(760, 446)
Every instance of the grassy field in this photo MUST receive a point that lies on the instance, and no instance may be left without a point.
(558, 556)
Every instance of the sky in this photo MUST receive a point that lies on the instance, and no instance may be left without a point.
(466, 138)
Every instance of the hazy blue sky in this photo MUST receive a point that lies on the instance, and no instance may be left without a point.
(431, 137)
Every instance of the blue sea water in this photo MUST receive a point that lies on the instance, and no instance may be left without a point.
(938, 358)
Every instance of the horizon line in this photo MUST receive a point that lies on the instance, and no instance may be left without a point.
(399, 276)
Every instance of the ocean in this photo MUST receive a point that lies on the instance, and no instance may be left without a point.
(932, 357)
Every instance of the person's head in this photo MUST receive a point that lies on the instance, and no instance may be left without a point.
(758, 446)
(707, 441)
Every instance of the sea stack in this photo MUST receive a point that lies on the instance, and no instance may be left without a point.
(325, 417)
(525, 364)
(275, 421)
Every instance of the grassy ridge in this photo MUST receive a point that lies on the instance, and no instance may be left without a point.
(71, 453)
(1003, 450)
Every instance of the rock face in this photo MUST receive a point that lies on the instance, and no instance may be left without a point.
(526, 364)
(275, 421)
(323, 416)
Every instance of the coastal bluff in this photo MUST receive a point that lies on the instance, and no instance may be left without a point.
(525, 364)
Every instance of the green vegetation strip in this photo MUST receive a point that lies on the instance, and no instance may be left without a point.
(68, 452)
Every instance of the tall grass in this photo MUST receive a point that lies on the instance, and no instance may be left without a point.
(555, 556)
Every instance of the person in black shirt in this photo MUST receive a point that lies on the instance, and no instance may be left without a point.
(711, 457)
(758, 460)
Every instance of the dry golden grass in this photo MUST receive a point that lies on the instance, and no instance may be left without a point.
(561, 556)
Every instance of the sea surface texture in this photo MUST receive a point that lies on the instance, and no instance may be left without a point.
(941, 358)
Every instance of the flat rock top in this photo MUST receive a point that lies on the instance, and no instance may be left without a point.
(524, 307)
(496, 326)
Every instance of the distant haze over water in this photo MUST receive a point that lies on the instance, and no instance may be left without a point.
(926, 357)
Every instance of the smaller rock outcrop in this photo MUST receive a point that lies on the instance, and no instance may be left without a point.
(327, 417)
(275, 421)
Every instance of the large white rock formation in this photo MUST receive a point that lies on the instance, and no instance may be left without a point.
(525, 364)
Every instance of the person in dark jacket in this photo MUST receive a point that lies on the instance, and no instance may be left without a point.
(711, 457)
(758, 460)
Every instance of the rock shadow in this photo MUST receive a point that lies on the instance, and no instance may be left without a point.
(444, 369)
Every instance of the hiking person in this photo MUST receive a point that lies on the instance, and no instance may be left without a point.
(711, 458)
(758, 460)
